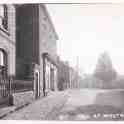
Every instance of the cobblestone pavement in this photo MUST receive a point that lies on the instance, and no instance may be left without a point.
(40, 109)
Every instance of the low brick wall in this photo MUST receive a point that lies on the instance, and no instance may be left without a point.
(22, 98)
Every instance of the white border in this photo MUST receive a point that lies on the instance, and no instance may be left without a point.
(61, 1)
(58, 122)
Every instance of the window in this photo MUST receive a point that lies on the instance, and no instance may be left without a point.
(1, 58)
(3, 63)
(1, 11)
(3, 17)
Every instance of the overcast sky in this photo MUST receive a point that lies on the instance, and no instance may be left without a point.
(88, 30)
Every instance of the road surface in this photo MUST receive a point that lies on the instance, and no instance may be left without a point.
(92, 104)
(75, 105)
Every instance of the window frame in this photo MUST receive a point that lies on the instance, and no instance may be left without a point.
(4, 19)
(4, 67)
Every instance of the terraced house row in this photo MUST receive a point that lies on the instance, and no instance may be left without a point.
(28, 53)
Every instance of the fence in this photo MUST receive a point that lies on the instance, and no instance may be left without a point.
(4, 87)
(9, 86)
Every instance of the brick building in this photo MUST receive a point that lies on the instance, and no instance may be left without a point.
(73, 78)
(68, 77)
(7, 45)
(63, 74)
(36, 47)
(28, 48)
(7, 38)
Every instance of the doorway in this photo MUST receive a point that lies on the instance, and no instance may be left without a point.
(37, 85)
(52, 79)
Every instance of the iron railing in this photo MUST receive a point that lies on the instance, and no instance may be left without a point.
(4, 87)
(9, 86)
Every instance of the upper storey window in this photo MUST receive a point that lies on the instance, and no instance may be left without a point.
(3, 17)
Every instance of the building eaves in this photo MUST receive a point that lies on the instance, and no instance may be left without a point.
(50, 20)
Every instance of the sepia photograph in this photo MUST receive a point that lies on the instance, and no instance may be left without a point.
(62, 61)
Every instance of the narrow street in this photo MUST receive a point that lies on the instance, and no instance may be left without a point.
(61, 61)
(75, 105)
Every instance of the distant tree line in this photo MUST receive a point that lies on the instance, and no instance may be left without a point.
(104, 69)
(104, 76)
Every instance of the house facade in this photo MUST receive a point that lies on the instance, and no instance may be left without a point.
(63, 74)
(7, 46)
(68, 76)
(36, 47)
(7, 39)
(28, 48)
(48, 50)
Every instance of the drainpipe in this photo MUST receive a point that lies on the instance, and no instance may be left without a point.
(10, 90)
(55, 79)
(44, 71)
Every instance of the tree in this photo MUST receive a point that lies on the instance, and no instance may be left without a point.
(104, 68)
